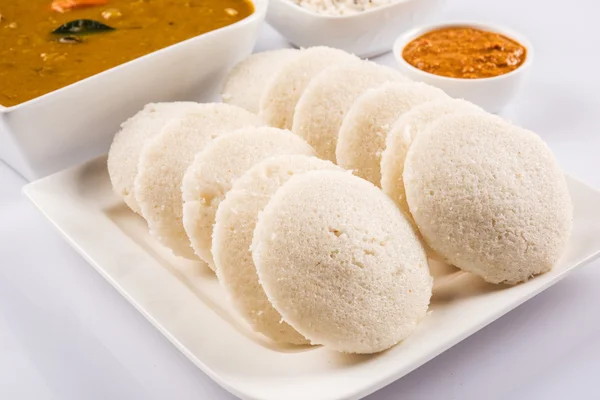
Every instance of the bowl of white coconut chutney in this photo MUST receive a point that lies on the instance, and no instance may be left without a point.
(366, 28)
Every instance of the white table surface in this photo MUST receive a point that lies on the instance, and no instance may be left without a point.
(65, 333)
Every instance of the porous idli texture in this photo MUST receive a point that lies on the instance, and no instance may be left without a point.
(281, 94)
(166, 157)
(325, 102)
(488, 197)
(400, 137)
(246, 82)
(361, 138)
(340, 263)
(124, 153)
(232, 236)
(211, 175)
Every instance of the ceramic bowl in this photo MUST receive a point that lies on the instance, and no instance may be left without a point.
(366, 34)
(77, 123)
(492, 94)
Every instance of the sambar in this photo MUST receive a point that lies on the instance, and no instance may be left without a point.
(91, 36)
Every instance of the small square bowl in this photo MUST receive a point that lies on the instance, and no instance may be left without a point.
(492, 94)
(366, 34)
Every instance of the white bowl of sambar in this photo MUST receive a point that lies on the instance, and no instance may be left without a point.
(73, 70)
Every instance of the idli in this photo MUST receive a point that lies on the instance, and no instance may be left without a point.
(406, 128)
(127, 145)
(210, 176)
(363, 132)
(325, 102)
(246, 82)
(488, 197)
(232, 236)
(164, 160)
(281, 94)
(340, 262)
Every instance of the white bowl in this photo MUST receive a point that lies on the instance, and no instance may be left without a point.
(365, 34)
(77, 123)
(492, 94)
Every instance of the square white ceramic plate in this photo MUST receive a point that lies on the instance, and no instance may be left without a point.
(184, 301)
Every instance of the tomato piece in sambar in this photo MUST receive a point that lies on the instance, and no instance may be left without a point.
(465, 52)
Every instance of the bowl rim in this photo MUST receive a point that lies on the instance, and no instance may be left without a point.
(412, 34)
(260, 10)
(297, 8)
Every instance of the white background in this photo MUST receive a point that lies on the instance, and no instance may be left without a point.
(67, 334)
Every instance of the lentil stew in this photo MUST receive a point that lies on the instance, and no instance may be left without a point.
(46, 45)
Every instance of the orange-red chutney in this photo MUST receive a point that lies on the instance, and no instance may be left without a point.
(464, 52)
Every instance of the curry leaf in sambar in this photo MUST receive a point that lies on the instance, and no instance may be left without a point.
(82, 27)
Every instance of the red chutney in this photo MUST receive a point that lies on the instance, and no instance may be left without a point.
(465, 52)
